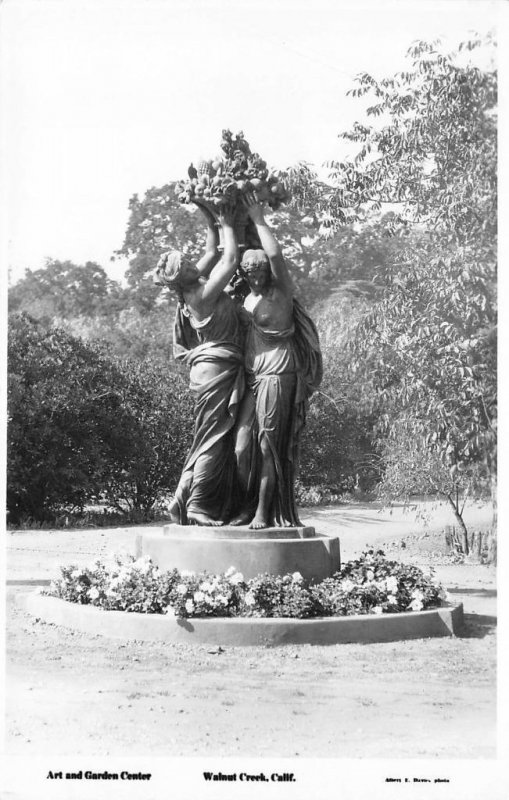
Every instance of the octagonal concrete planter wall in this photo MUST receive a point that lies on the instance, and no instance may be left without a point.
(445, 621)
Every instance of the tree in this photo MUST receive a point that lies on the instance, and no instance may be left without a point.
(162, 407)
(83, 426)
(436, 156)
(157, 223)
(337, 451)
(67, 421)
(63, 289)
(427, 347)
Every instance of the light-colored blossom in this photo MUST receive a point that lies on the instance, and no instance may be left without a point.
(297, 577)
(230, 571)
(416, 605)
(189, 606)
(378, 610)
(181, 588)
(347, 585)
(392, 599)
(236, 578)
(199, 597)
(186, 573)
(250, 599)
(391, 584)
(142, 564)
(206, 586)
(93, 593)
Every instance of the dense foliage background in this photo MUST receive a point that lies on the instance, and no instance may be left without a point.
(395, 258)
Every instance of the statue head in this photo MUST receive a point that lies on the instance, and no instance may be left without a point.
(255, 264)
(175, 272)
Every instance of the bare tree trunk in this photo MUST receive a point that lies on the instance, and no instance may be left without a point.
(461, 523)
(492, 540)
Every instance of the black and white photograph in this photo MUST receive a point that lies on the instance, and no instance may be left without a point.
(250, 392)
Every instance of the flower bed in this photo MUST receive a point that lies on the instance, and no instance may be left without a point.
(369, 585)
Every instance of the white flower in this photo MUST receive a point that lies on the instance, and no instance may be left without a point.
(181, 588)
(93, 593)
(250, 599)
(198, 597)
(392, 600)
(189, 606)
(186, 573)
(347, 585)
(297, 577)
(391, 584)
(417, 594)
(111, 593)
(378, 610)
(206, 586)
(169, 611)
(370, 575)
(76, 573)
(230, 571)
(221, 598)
(236, 578)
(416, 605)
(142, 564)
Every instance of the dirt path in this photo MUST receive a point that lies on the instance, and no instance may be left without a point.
(36, 555)
(77, 694)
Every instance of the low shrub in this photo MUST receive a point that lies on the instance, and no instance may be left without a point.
(369, 585)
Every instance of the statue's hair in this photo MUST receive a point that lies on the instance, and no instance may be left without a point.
(253, 259)
(167, 273)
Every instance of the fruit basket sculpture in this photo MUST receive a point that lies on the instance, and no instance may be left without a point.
(225, 179)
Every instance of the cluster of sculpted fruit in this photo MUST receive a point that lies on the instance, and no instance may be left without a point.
(235, 172)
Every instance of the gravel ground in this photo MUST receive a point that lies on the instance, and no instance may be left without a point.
(81, 695)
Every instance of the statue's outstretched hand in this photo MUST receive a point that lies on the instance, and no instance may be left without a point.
(226, 214)
(254, 207)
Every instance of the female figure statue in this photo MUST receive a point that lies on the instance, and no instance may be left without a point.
(208, 338)
(283, 367)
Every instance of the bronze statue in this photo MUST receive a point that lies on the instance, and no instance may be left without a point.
(283, 367)
(208, 338)
(242, 464)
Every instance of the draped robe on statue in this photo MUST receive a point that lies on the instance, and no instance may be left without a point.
(208, 485)
(283, 370)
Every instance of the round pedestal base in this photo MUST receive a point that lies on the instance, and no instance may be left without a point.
(277, 551)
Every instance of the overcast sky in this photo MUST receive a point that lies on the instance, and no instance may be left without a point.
(103, 99)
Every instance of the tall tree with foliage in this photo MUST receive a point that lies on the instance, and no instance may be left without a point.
(428, 346)
(157, 222)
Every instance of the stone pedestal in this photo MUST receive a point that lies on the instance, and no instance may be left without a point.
(274, 550)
